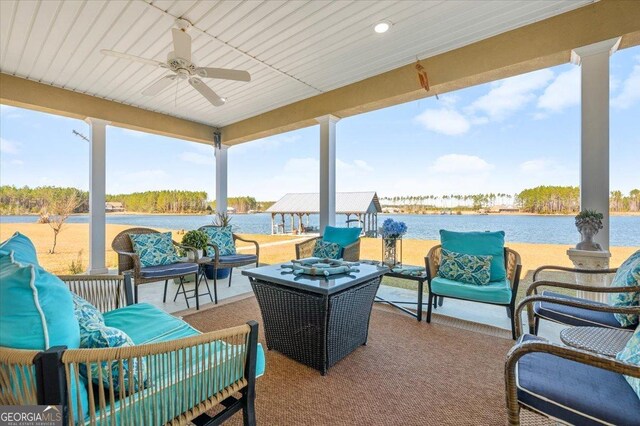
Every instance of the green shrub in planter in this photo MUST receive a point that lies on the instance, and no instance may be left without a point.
(196, 239)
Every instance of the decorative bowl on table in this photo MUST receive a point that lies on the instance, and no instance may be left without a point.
(321, 267)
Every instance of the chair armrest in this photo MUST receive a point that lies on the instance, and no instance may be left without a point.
(105, 292)
(576, 270)
(530, 300)
(351, 253)
(216, 252)
(20, 378)
(255, 243)
(533, 288)
(136, 260)
(573, 354)
(305, 248)
(228, 353)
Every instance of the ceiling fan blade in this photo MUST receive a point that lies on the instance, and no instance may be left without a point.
(181, 44)
(132, 58)
(206, 91)
(159, 85)
(223, 73)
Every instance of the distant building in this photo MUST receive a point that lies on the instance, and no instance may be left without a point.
(504, 209)
(113, 206)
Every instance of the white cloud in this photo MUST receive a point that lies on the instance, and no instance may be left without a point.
(460, 164)
(547, 171)
(537, 165)
(510, 95)
(562, 93)
(447, 121)
(630, 92)
(17, 162)
(363, 165)
(198, 158)
(9, 147)
(265, 144)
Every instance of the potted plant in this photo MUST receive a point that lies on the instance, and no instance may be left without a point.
(392, 232)
(197, 240)
(588, 222)
(222, 219)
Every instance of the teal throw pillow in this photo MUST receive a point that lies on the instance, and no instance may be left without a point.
(326, 250)
(221, 236)
(154, 249)
(628, 275)
(465, 268)
(23, 249)
(478, 244)
(342, 236)
(99, 335)
(631, 354)
(85, 312)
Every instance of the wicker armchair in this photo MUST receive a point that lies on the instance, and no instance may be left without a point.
(179, 393)
(350, 253)
(583, 313)
(566, 383)
(128, 261)
(513, 266)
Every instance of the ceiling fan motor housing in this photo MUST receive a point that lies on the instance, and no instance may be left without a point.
(176, 64)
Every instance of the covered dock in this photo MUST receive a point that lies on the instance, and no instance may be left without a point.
(361, 209)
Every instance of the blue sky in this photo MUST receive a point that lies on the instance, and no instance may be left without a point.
(498, 137)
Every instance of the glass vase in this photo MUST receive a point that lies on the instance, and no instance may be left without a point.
(391, 252)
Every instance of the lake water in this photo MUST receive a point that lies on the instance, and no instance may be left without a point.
(625, 230)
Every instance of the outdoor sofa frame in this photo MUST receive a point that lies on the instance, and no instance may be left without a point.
(44, 377)
(350, 253)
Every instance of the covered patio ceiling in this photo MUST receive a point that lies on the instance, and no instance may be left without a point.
(306, 58)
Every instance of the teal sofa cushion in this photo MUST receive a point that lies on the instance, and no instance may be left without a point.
(23, 249)
(342, 236)
(36, 311)
(154, 249)
(479, 244)
(465, 268)
(145, 323)
(631, 355)
(221, 236)
(494, 292)
(628, 275)
(327, 250)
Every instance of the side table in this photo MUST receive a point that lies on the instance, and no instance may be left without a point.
(600, 340)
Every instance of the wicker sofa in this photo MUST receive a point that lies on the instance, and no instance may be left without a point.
(341, 236)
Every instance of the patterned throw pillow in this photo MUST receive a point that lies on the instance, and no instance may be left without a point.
(631, 355)
(98, 335)
(85, 312)
(222, 236)
(154, 249)
(628, 275)
(325, 250)
(465, 268)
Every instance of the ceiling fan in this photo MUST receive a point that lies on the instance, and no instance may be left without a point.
(181, 68)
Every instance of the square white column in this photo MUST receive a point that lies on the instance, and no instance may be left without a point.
(327, 170)
(221, 179)
(594, 150)
(97, 195)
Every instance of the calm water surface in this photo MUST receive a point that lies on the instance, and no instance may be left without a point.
(625, 230)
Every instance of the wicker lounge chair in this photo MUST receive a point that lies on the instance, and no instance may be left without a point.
(190, 373)
(583, 312)
(128, 261)
(350, 246)
(574, 386)
(502, 294)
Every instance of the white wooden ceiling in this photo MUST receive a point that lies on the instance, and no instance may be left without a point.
(294, 49)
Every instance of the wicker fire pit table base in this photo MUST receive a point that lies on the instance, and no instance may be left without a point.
(315, 320)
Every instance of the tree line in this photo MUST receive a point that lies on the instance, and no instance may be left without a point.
(163, 201)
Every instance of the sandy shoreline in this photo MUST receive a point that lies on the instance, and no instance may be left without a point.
(75, 237)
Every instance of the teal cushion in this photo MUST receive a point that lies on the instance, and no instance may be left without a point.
(326, 250)
(628, 275)
(222, 236)
(86, 314)
(23, 249)
(154, 249)
(145, 323)
(631, 355)
(342, 236)
(465, 268)
(494, 292)
(478, 243)
(36, 311)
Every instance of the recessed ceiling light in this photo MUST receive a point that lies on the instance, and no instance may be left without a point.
(382, 27)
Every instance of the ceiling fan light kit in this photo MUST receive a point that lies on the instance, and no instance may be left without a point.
(179, 63)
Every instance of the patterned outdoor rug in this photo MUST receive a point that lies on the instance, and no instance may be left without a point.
(409, 373)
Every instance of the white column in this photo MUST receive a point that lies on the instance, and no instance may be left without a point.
(97, 195)
(327, 170)
(221, 179)
(594, 157)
